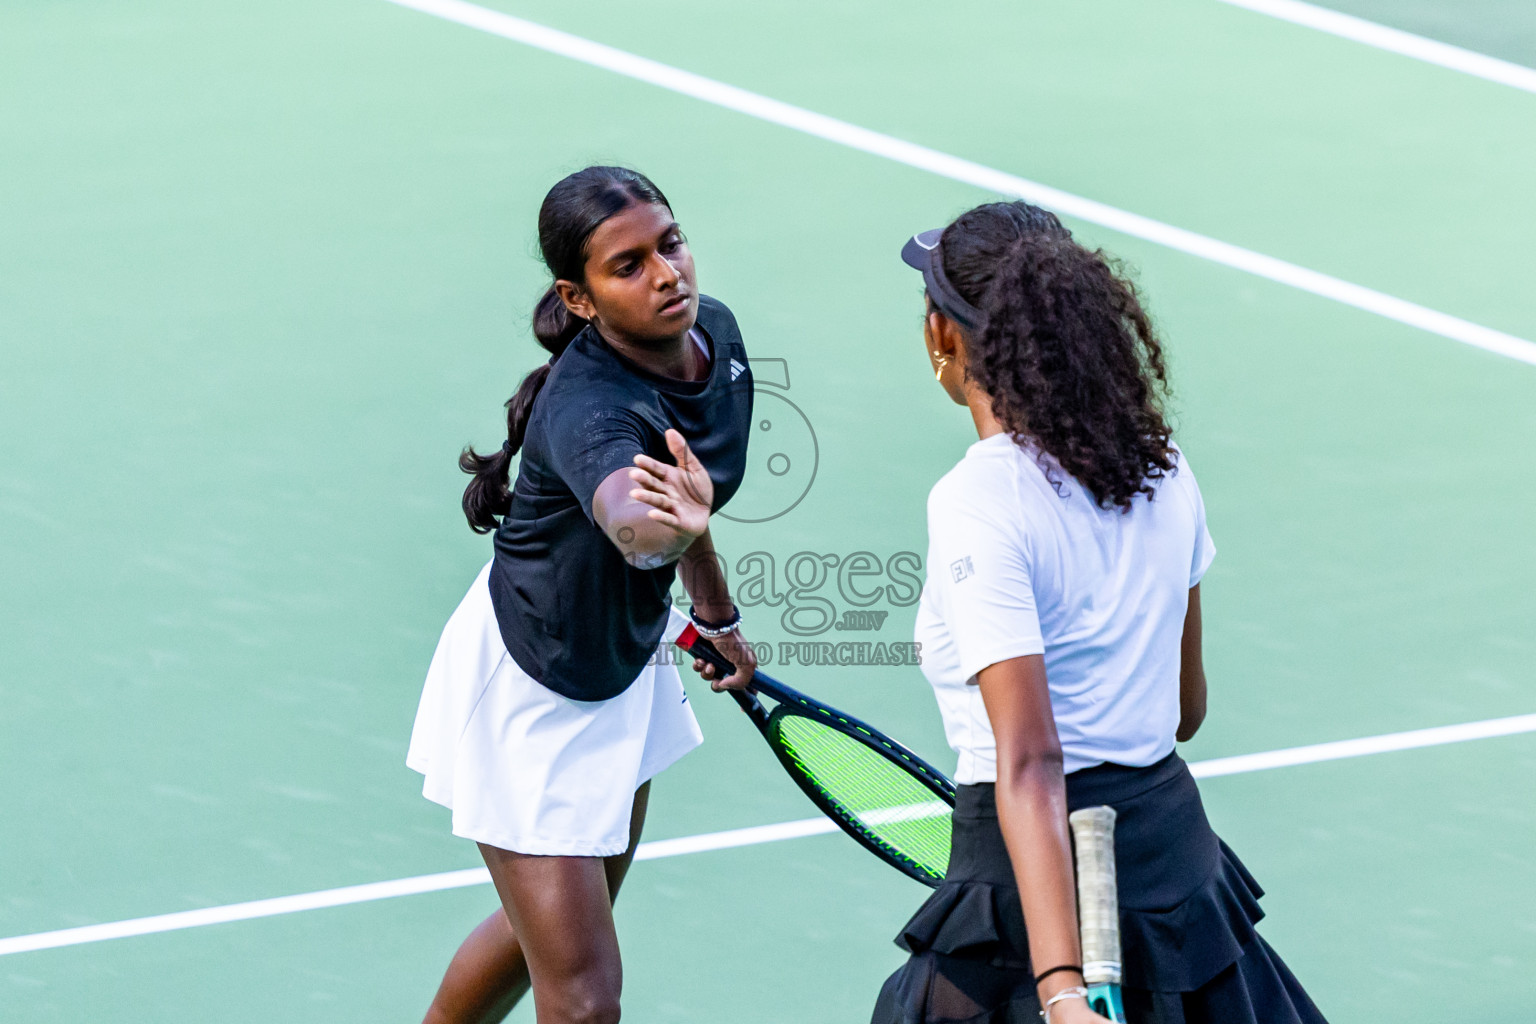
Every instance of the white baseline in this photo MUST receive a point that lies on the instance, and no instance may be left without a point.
(753, 836)
(1395, 41)
(958, 169)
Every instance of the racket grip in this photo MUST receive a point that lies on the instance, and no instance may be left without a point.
(1098, 900)
(699, 646)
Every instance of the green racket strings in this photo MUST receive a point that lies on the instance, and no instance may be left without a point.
(883, 799)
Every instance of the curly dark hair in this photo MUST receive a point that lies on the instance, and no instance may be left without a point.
(1065, 350)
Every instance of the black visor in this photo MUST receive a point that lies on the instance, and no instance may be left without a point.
(922, 253)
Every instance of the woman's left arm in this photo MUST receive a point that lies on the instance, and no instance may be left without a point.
(1032, 810)
(1191, 671)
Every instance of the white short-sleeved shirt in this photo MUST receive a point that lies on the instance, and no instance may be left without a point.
(1016, 568)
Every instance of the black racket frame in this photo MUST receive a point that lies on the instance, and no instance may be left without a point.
(792, 702)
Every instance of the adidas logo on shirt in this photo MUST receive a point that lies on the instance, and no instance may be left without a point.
(737, 369)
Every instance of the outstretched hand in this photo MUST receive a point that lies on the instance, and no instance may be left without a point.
(680, 496)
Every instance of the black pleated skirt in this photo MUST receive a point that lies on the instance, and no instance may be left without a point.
(1187, 913)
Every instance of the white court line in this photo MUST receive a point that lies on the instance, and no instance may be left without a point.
(660, 848)
(958, 169)
(1396, 41)
(1340, 749)
(753, 836)
(371, 891)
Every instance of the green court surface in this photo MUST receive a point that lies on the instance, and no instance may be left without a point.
(264, 268)
(1498, 28)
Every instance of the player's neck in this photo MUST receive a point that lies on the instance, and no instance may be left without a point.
(678, 357)
(980, 405)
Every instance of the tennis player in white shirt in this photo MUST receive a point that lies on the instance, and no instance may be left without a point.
(1060, 629)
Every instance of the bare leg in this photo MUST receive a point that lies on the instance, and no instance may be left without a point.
(489, 973)
(485, 979)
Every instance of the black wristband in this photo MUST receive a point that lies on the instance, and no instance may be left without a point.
(735, 618)
(1054, 970)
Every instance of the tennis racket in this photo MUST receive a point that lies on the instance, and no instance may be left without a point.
(893, 802)
(1098, 908)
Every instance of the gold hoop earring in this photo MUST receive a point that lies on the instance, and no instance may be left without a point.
(938, 373)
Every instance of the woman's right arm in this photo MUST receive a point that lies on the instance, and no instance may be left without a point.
(1032, 811)
(1191, 671)
(653, 512)
(645, 543)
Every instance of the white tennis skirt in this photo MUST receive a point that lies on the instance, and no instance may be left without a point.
(527, 770)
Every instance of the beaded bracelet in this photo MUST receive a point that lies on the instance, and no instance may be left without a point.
(714, 630)
(1067, 993)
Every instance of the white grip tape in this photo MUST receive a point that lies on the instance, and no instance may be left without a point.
(1098, 905)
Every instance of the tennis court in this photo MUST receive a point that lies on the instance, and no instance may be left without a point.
(265, 268)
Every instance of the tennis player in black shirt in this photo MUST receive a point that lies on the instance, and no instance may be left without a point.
(547, 710)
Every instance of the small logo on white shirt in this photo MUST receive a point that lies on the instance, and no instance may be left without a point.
(962, 569)
(737, 369)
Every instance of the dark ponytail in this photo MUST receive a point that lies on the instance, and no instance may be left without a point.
(1065, 351)
(571, 212)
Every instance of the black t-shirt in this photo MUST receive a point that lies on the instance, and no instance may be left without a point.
(575, 615)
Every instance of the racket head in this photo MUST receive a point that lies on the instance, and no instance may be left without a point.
(890, 801)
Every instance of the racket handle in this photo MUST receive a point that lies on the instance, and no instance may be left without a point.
(699, 646)
(1098, 901)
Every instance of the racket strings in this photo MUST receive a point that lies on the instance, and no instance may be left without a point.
(879, 796)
